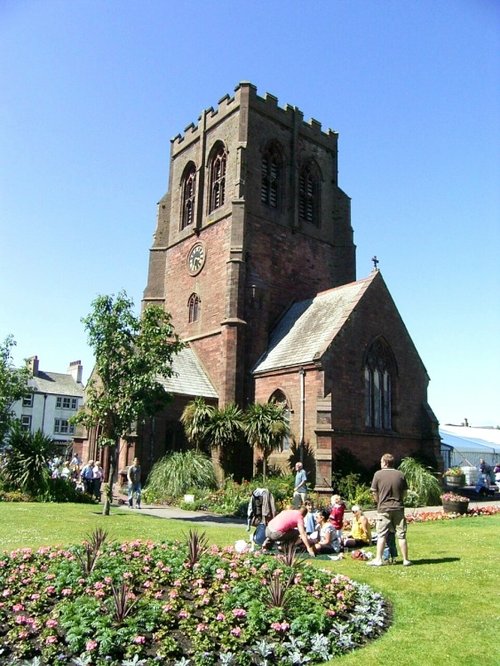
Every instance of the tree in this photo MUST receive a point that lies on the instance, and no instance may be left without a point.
(13, 385)
(26, 466)
(196, 418)
(265, 427)
(208, 427)
(131, 354)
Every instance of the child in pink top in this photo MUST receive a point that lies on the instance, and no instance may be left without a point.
(337, 515)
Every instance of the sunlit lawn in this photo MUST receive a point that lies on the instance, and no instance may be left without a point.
(446, 607)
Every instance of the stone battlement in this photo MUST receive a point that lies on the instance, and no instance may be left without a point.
(246, 95)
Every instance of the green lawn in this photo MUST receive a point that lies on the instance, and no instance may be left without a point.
(446, 607)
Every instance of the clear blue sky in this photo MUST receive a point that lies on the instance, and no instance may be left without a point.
(92, 92)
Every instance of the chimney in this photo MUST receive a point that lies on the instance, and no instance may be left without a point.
(76, 370)
(32, 364)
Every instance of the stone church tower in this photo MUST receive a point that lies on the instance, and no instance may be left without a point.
(253, 220)
(254, 258)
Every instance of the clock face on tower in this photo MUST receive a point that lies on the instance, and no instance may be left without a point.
(196, 258)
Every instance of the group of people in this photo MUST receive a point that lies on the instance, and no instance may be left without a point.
(88, 477)
(322, 531)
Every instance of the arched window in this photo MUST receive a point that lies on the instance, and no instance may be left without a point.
(280, 398)
(271, 175)
(309, 194)
(188, 195)
(193, 308)
(217, 177)
(379, 378)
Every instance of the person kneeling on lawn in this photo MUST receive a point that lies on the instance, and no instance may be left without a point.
(288, 526)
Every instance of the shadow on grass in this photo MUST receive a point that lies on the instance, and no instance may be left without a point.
(435, 560)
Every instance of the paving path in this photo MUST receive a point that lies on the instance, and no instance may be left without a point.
(206, 518)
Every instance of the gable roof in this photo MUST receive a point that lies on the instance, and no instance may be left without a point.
(56, 383)
(306, 330)
(189, 376)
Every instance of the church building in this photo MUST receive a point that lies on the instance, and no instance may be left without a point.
(254, 258)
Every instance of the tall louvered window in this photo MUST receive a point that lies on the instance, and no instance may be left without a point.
(379, 374)
(193, 308)
(280, 398)
(309, 193)
(270, 178)
(188, 196)
(217, 178)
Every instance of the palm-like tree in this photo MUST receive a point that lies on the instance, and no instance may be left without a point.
(196, 419)
(265, 427)
(225, 426)
(27, 463)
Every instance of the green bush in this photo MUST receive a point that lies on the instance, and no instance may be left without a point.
(179, 473)
(421, 481)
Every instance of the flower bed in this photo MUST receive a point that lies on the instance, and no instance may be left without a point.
(177, 604)
(429, 516)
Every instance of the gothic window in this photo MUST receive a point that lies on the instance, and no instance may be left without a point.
(188, 196)
(309, 194)
(379, 377)
(280, 398)
(193, 308)
(270, 177)
(217, 177)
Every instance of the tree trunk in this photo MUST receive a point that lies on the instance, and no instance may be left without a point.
(108, 495)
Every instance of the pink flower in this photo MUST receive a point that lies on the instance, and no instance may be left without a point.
(17, 607)
(220, 617)
(51, 623)
(90, 645)
(183, 614)
(239, 612)
(50, 639)
(236, 631)
(201, 627)
(280, 626)
(50, 589)
(66, 591)
(139, 640)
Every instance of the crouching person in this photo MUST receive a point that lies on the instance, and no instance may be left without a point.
(288, 526)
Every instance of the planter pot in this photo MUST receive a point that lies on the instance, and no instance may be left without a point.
(455, 507)
(455, 481)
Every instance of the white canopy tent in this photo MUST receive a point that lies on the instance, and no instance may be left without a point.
(464, 446)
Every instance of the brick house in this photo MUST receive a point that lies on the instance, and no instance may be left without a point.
(254, 258)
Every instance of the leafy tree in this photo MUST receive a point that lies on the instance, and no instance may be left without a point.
(26, 466)
(265, 427)
(13, 385)
(131, 354)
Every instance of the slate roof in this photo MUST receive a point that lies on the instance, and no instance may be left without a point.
(190, 377)
(307, 329)
(56, 383)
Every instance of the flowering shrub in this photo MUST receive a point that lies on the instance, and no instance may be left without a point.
(453, 497)
(147, 603)
(454, 471)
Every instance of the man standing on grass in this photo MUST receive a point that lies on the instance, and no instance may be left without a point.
(389, 488)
